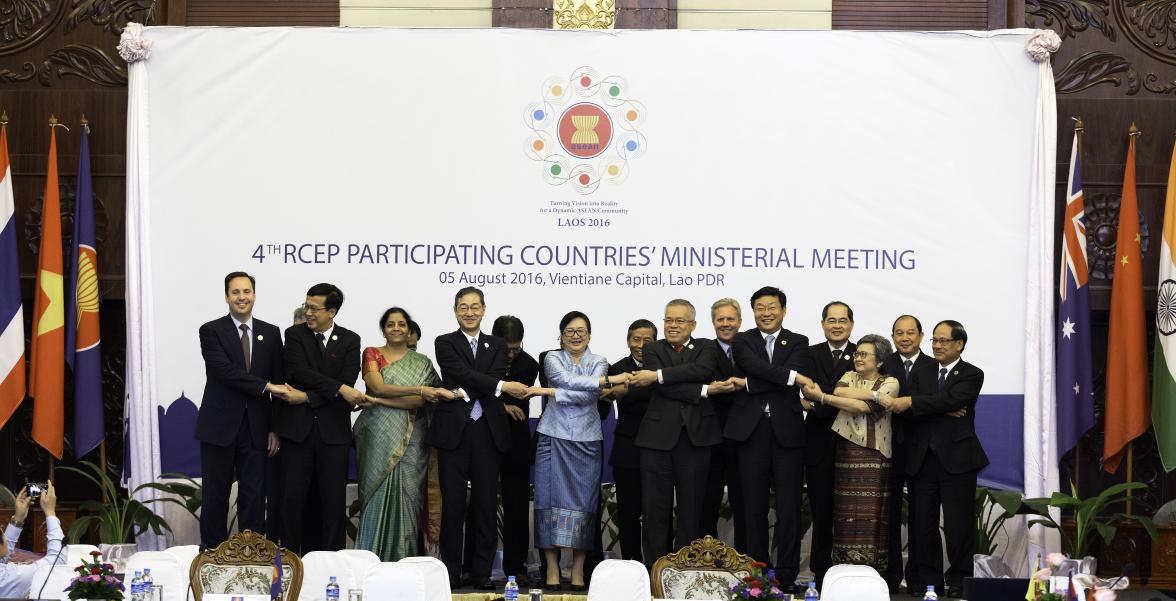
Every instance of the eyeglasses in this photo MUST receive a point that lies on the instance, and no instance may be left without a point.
(474, 308)
(837, 321)
(575, 332)
(313, 309)
(942, 340)
(862, 355)
(676, 321)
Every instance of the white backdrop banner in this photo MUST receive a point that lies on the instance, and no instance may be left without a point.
(602, 171)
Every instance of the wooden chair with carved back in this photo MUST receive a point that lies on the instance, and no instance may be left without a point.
(704, 569)
(244, 565)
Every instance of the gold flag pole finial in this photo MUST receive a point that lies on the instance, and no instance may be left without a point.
(53, 120)
(1078, 126)
(3, 117)
(1134, 131)
(85, 123)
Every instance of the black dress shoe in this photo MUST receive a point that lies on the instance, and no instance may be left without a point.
(547, 586)
(485, 584)
(916, 592)
(579, 588)
(954, 592)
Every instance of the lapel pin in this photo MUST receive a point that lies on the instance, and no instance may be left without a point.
(486, 344)
(334, 337)
(846, 357)
(690, 346)
(260, 337)
(783, 343)
(955, 373)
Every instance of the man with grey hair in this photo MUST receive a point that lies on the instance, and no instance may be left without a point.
(678, 431)
(727, 318)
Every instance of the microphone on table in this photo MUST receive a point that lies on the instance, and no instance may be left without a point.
(1128, 570)
(51, 566)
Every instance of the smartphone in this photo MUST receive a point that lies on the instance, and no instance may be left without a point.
(34, 489)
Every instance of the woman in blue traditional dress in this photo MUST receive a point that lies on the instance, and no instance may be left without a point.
(570, 449)
(390, 440)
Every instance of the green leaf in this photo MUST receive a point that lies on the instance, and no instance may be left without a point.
(1009, 500)
(79, 527)
(1106, 531)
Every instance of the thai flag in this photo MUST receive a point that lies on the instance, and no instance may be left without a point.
(1075, 404)
(12, 357)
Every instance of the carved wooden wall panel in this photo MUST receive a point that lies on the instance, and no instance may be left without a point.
(252, 13)
(910, 14)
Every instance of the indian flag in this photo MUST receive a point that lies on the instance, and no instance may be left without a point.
(1163, 383)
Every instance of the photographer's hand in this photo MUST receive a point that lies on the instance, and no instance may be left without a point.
(22, 507)
(49, 501)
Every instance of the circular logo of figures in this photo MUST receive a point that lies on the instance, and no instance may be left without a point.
(585, 129)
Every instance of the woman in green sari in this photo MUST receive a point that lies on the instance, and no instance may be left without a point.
(390, 440)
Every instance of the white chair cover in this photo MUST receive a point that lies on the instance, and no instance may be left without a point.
(184, 554)
(166, 572)
(436, 577)
(360, 560)
(317, 569)
(74, 555)
(394, 582)
(619, 580)
(51, 581)
(854, 583)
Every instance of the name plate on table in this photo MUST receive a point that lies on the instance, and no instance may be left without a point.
(219, 597)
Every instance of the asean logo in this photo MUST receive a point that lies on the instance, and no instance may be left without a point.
(585, 129)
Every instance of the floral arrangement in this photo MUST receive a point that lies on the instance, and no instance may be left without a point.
(95, 580)
(1041, 579)
(760, 584)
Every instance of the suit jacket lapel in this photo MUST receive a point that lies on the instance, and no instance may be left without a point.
(233, 341)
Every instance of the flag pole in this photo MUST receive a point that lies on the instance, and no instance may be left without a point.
(1133, 132)
(1079, 128)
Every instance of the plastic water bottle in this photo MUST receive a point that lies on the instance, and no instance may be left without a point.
(512, 590)
(333, 590)
(811, 594)
(147, 584)
(137, 586)
(931, 593)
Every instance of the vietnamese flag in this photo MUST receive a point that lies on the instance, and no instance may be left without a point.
(47, 369)
(1127, 413)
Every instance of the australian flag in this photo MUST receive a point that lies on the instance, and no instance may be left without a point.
(1075, 404)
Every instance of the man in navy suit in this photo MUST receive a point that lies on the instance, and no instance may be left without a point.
(943, 457)
(829, 361)
(907, 334)
(471, 432)
(767, 422)
(243, 367)
(322, 358)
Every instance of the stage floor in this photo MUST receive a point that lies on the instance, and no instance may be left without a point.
(475, 595)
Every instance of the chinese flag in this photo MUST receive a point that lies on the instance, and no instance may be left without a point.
(47, 370)
(1127, 414)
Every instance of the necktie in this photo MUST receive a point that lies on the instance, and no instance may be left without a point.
(245, 344)
(836, 356)
(322, 342)
(942, 377)
(678, 348)
(476, 410)
(770, 345)
(729, 357)
(906, 364)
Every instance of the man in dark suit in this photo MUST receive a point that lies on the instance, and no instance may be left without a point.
(830, 360)
(515, 471)
(626, 458)
(243, 367)
(678, 431)
(943, 457)
(471, 432)
(768, 424)
(907, 333)
(322, 358)
(726, 317)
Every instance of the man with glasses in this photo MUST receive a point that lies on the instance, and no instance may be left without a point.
(471, 432)
(322, 358)
(678, 431)
(767, 422)
(829, 360)
(243, 368)
(943, 458)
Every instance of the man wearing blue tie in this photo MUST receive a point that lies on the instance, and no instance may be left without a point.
(943, 458)
(471, 432)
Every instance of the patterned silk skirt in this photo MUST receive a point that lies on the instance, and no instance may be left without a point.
(567, 492)
(860, 506)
